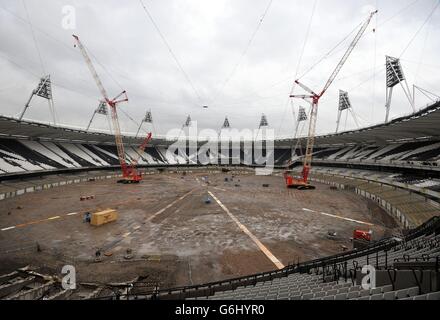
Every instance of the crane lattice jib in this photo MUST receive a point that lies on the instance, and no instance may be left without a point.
(141, 149)
(347, 54)
(118, 138)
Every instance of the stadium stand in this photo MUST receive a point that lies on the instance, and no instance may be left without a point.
(407, 268)
(25, 155)
(399, 171)
(395, 165)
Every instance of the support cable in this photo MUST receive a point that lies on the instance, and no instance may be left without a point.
(173, 55)
(398, 13)
(34, 37)
(243, 54)
(421, 27)
(298, 66)
(375, 67)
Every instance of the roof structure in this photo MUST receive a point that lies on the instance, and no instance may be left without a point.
(421, 125)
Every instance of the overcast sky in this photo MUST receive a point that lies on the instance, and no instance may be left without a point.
(209, 37)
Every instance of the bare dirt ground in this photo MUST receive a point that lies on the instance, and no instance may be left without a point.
(176, 238)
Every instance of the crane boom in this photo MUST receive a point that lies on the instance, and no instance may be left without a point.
(303, 182)
(91, 68)
(348, 52)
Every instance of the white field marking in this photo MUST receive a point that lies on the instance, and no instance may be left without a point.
(339, 217)
(170, 205)
(6, 229)
(54, 218)
(261, 246)
(217, 188)
(347, 219)
(72, 213)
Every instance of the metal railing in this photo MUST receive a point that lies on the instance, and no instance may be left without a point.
(335, 266)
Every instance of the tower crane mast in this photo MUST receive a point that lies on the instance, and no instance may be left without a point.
(129, 172)
(303, 181)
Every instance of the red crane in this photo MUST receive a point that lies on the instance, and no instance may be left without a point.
(141, 149)
(303, 181)
(129, 172)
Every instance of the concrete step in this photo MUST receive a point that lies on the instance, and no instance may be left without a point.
(62, 295)
(33, 294)
(11, 288)
(8, 277)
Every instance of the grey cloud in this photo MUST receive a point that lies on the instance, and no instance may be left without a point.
(208, 37)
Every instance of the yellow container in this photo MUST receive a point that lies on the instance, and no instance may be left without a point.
(103, 217)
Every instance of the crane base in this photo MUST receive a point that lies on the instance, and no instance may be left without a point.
(128, 181)
(295, 183)
(302, 187)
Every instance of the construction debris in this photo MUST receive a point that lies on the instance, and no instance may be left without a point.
(207, 200)
(332, 235)
(98, 257)
(129, 254)
(84, 198)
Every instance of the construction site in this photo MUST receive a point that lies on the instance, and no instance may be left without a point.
(111, 207)
(179, 234)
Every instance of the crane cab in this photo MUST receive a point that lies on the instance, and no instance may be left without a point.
(296, 183)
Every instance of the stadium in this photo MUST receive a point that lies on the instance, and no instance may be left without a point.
(240, 218)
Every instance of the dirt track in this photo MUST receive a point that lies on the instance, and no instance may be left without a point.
(176, 238)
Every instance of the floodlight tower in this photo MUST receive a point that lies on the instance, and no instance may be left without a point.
(263, 121)
(148, 119)
(263, 124)
(302, 117)
(101, 110)
(226, 126)
(43, 90)
(395, 76)
(344, 105)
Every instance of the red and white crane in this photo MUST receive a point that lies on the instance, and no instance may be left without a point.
(303, 181)
(129, 171)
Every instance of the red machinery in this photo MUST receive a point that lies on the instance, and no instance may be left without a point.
(362, 235)
(129, 172)
(303, 181)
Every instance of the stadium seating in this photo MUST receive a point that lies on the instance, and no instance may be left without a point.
(337, 277)
(27, 155)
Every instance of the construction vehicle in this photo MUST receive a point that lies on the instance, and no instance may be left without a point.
(362, 239)
(362, 235)
(129, 172)
(302, 182)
